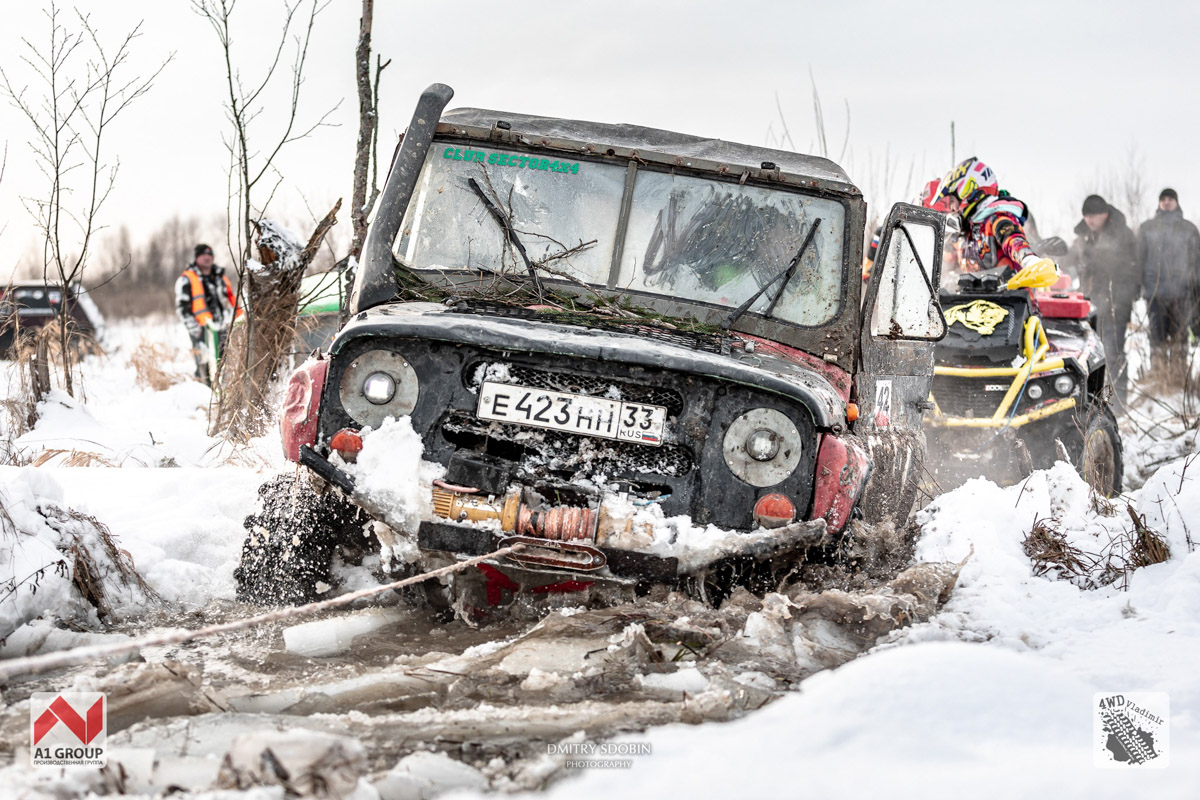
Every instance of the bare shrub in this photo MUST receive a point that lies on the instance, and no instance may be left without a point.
(146, 360)
(1054, 556)
(94, 561)
(80, 88)
(71, 458)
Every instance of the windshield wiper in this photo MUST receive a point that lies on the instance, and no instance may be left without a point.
(509, 233)
(786, 274)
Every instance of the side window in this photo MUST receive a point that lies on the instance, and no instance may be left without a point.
(906, 305)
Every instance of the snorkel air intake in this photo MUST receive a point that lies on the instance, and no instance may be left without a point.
(376, 280)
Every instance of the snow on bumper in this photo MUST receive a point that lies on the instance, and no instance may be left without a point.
(617, 539)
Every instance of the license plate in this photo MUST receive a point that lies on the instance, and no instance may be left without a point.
(572, 413)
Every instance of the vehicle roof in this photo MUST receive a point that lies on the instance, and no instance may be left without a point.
(743, 157)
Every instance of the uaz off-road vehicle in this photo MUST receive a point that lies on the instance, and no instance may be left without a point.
(1019, 383)
(595, 327)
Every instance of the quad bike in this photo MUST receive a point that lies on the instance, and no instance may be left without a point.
(1019, 383)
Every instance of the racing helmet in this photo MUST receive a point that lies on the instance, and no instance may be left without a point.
(969, 182)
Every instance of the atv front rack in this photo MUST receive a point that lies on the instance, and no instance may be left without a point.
(1036, 345)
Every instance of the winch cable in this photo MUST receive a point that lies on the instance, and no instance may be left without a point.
(33, 665)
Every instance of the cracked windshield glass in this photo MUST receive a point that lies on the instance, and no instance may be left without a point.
(688, 238)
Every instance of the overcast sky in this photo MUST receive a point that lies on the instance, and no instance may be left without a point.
(1054, 95)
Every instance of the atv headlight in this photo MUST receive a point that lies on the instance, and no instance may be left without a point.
(1034, 391)
(378, 384)
(762, 447)
(1064, 384)
(379, 388)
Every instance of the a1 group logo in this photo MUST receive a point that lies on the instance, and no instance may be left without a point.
(68, 729)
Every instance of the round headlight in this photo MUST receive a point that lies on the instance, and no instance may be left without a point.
(1063, 384)
(379, 388)
(1035, 391)
(762, 445)
(376, 385)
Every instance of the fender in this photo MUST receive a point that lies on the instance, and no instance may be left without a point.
(842, 471)
(302, 406)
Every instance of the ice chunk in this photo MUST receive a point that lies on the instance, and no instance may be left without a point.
(326, 637)
(540, 680)
(423, 775)
(687, 680)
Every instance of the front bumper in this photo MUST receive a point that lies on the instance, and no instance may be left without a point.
(558, 540)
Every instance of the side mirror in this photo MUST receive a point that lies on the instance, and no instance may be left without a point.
(906, 303)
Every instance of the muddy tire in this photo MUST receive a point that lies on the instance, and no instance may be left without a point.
(1100, 458)
(291, 539)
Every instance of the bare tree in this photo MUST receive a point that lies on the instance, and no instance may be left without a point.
(251, 162)
(265, 285)
(256, 352)
(366, 151)
(81, 89)
(1124, 185)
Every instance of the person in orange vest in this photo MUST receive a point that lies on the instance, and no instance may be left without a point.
(204, 299)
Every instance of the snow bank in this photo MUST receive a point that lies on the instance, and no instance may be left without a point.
(56, 561)
(126, 424)
(150, 483)
(993, 696)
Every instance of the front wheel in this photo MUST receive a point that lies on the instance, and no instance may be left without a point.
(291, 539)
(1100, 460)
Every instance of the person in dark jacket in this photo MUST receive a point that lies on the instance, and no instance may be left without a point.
(205, 300)
(1105, 253)
(1169, 251)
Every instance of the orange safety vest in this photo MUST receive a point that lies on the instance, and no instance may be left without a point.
(199, 306)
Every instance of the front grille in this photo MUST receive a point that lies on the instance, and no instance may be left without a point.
(565, 454)
(968, 397)
(575, 383)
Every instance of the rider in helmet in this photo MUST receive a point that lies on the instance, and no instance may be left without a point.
(927, 199)
(993, 224)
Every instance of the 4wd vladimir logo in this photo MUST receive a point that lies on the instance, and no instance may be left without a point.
(1131, 729)
(68, 729)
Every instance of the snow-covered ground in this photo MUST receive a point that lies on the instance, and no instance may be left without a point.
(173, 497)
(992, 696)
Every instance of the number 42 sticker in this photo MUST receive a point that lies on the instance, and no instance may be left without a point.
(883, 404)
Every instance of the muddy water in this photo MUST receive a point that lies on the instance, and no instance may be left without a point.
(493, 698)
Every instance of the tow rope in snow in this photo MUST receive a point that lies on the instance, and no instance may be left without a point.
(32, 665)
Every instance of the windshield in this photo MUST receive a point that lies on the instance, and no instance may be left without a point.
(688, 239)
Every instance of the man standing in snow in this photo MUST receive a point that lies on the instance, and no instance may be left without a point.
(206, 303)
(1169, 252)
(1105, 251)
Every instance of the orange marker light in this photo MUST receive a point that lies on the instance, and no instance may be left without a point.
(347, 443)
(774, 511)
(851, 411)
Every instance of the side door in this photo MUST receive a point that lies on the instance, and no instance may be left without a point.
(899, 324)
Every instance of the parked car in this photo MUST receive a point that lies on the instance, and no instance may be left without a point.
(27, 307)
(584, 319)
